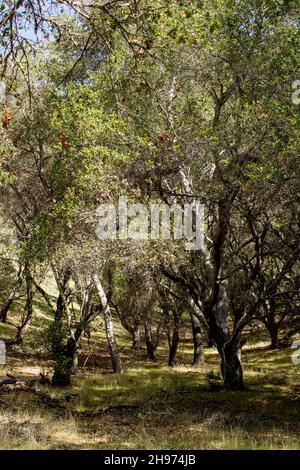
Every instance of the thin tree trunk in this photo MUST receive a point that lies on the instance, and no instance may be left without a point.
(87, 315)
(198, 341)
(7, 304)
(66, 358)
(44, 294)
(63, 287)
(149, 342)
(174, 346)
(273, 332)
(134, 330)
(136, 337)
(109, 327)
(270, 323)
(28, 312)
(210, 343)
(61, 306)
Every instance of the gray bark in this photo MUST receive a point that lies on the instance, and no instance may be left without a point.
(175, 341)
(7, 304)
(109, 327)
(197, 340)
(28, 312)
(136, 337)
(151, 354)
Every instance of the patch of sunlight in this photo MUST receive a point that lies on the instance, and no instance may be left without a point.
(107, 388)
(27, 370)
(39, 315)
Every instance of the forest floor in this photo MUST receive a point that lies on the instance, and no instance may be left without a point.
(151, 406)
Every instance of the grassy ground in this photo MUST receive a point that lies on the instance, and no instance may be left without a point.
(149, 406)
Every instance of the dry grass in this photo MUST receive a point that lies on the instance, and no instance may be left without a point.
(151, 406)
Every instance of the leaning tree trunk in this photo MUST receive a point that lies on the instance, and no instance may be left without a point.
(28, 312)
(109, 327)
(7, 304)
(198, 341)
(134, 330)
(44, 294)
(151, 354)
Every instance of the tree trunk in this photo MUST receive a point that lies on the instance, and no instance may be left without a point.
(88, 313)
(174, 346)
(22, 329)
(274, 339)
(44, 294)
(217, 317)
(75, 365)
(7, 304)
(175, 339)
(28, 312)
(210, 343)
(149, 342)
(273, 332)
(231, 368)
(63, 287)
(133, 329)
(197, 339)
(109, 327)
(270, 322)
(63, 364)
(61, 306)
(136, 337)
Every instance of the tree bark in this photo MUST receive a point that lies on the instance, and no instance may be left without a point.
(269, 321)
(44, 294)
(63, 287)
(28, 312)
(210, 343)
(227, 344)
(151, 354)
(273, 332)
(198, 341)
(174, 346)
(88, 313)
(62, 282)
(7, 304)
(109, 327)
(136, 337)
(63, 364)
(175, 339)
(231, 368)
